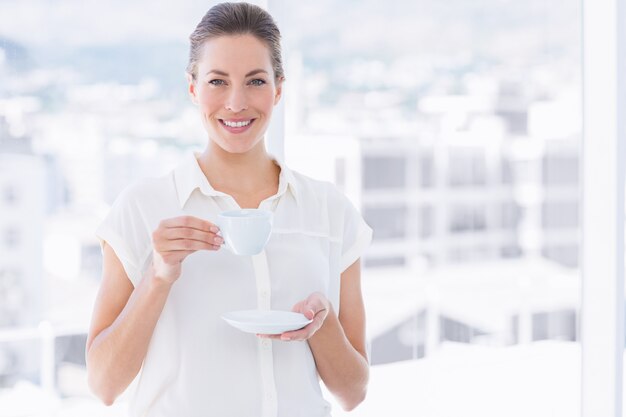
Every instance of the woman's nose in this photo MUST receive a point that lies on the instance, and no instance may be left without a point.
(236, 101)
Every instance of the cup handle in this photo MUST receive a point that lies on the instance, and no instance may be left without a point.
(224, 245)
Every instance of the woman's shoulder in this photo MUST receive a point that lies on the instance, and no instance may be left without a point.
(148, 191)
(314, 186)
(323, 191)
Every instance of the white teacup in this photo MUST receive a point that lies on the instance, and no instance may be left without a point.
(245, 231)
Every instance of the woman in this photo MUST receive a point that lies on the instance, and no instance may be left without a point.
(166, 281)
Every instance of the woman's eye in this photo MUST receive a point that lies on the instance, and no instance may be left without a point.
(216, 82)
(257, 82)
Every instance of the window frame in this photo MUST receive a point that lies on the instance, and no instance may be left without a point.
(603, 156)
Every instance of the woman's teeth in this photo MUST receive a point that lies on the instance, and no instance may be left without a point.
(237, 124)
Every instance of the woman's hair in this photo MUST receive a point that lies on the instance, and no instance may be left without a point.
(236, 19)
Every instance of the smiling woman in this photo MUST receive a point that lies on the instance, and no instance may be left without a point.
(167, 282)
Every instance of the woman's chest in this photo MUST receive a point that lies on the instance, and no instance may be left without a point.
(291, 267)
(296, 261)
(298, 265)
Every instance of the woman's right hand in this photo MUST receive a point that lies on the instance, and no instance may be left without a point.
(177, 238)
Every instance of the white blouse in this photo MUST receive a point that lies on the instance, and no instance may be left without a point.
(198, 365)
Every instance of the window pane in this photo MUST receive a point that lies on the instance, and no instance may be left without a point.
(384, 172)
(387, 222)
(454, 129)
(469, 178)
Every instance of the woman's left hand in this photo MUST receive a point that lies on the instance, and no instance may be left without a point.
(315, 307)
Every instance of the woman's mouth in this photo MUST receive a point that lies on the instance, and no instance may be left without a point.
(236, 126)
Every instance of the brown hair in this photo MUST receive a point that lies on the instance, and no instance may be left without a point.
(236, 19)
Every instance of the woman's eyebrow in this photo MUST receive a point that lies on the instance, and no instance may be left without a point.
(250, 74)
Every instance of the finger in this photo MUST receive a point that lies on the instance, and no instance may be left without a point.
(269, 336)
(299, 307)
(300, 334)
(312, 312)
(315, 305)
(184, 245)
(172, 256)
(192, 234)
(320, 314)
(176, 246)
(191, 222)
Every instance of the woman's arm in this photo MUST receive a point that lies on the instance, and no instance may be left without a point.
(122, 325)
(337, 343)
(124, 317)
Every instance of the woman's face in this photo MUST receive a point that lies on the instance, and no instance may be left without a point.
(235, 91)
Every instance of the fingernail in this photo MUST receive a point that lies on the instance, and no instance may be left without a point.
(218, 239)
(214, 229)
(285, 338)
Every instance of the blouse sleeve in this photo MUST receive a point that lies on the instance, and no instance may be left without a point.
(124, 229)
(357, 235)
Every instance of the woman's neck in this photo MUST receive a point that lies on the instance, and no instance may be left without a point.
(239, 173)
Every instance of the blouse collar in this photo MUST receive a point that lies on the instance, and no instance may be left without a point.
(189, 177)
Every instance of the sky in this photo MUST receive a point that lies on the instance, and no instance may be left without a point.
(76, 23)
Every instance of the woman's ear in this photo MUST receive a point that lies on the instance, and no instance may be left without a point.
(191, 88)
(279, 90)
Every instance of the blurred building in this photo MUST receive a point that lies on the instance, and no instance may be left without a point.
(412, 311)
(22, 210)
(483, 176)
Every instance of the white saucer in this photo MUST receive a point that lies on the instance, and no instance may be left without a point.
(265, 321)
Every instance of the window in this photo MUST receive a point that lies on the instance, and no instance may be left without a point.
(485, 113)
(560, 325)
(525, 171)
(510, 215)
(567, 255)
(560, 170)
(467, 218)
(402, 342)
(427, 169)
(387, 222)
(506, 172)
(384, 172)
(559, 215)
(11, 296)
(427, 221)
(466, 167)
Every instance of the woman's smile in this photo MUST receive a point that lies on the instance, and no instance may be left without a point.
(236, 125)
